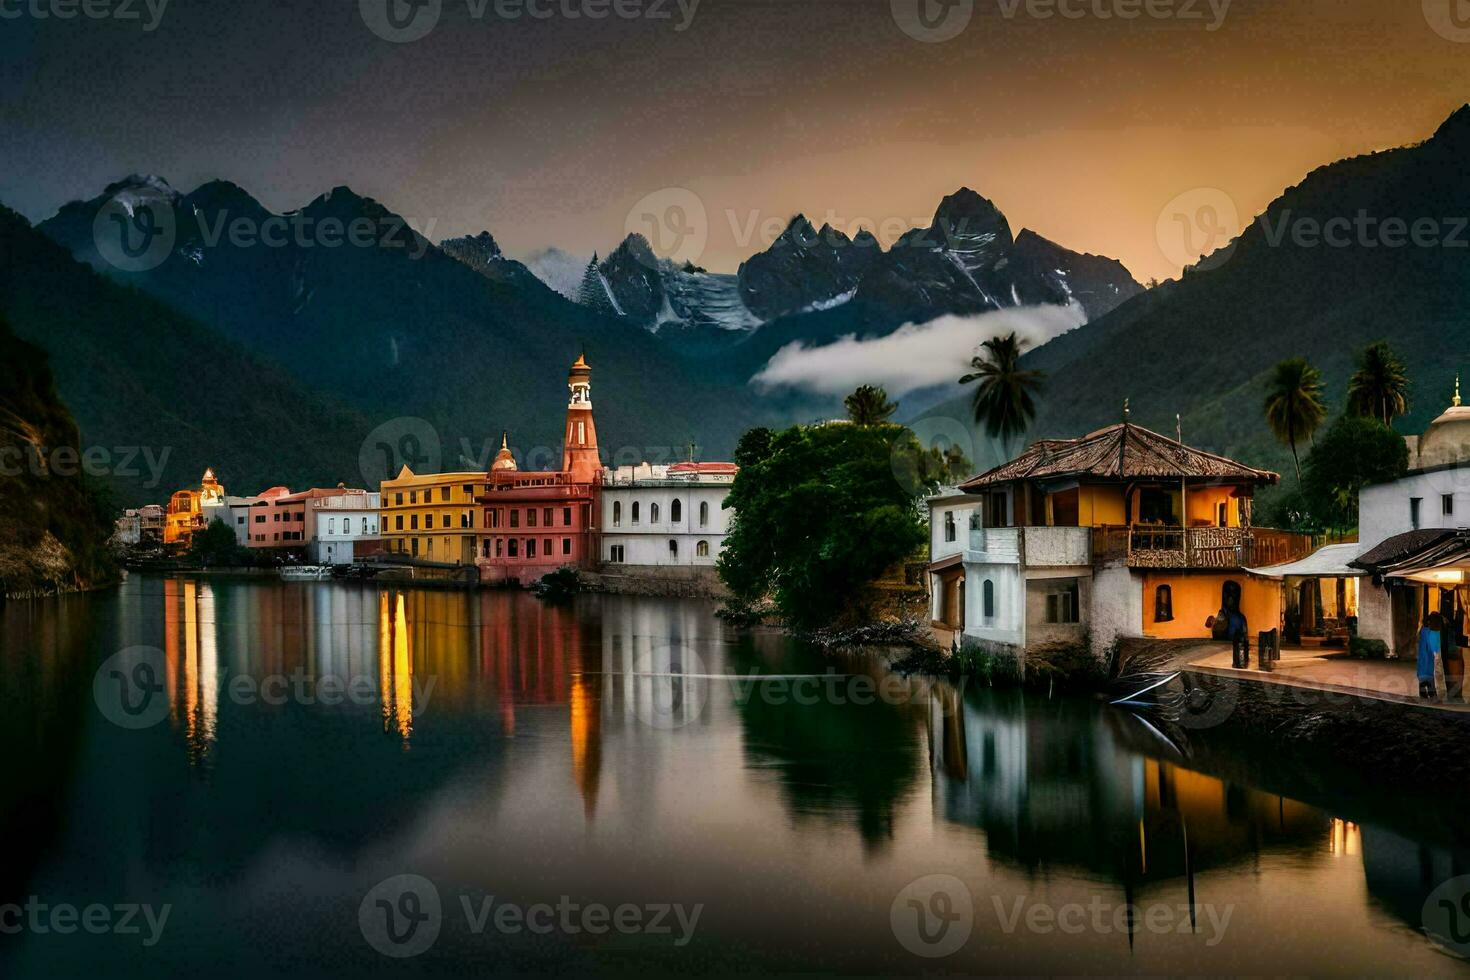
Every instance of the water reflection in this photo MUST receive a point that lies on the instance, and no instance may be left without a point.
(627, 748)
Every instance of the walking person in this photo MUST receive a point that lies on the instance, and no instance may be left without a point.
(1429, 646)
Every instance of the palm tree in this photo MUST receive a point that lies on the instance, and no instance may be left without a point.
(1004, 401)
(1380, 387)
(1294, 406)
(869, 405)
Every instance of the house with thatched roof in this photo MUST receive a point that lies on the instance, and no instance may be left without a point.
(1123, 532)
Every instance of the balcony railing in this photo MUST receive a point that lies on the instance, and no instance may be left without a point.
(1160, 546)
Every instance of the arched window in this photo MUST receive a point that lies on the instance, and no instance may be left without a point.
(1164, 604)
(676, 511)
(617, 513)
(673, 548)
(653, 513)
(635, 512)
(987, 599)
(704, 513)
(702, 549)
(331, 525)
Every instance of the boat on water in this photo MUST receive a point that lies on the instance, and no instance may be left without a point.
(306, 573)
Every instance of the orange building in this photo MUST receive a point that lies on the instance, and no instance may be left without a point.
(186, 510)
(1123, 532)
(538, 522)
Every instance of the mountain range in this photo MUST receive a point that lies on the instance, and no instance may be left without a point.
(274, 353)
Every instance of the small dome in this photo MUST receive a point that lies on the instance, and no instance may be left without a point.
(1447, 440)
(504, 461)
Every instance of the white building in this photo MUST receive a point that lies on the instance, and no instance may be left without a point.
(342, 527)
(665, 516)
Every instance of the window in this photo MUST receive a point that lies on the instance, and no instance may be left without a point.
(949, 528)
(987, 599)
(469, 490)
(617, 513)
(1164, 604)
(546, 518)
(467, 518)
(546, 547)
(499, 547)
(332, 525)
(616, 554)
(431, 547)
(676, 511)
(635, 513)
(1222, 515)
(530, 517)
(1447, 503)
(701, 550)
(413, 498)
(260, 518)
(566, 517)
(444, 494)
(530, 547)
(485, 548)
(514, 547)
(398, 519)
(1061, 603)
(673, 548)
(1415, 505)
(413, 522)
(704, 513)
(653, 513)
(415, 542)
(581, 433)
(566, 546)
(398, 499)
(515, 518)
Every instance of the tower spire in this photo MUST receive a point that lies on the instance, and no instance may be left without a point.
(1457, 390)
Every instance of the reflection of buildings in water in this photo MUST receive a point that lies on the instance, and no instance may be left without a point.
(1053, 787)
(1401, 873)
(191, 663)
(586, 735)
(655, 657)
(395, 665)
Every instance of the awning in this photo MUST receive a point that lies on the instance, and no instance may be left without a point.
(1432, 557)
(943, 564)
(1329, 562)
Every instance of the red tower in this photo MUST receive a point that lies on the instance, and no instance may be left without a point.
(580, 458)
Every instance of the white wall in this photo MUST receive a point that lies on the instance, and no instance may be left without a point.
(960, 509)
(1117, 605)
(1008, 625)
(1384, 510)
(647, 542)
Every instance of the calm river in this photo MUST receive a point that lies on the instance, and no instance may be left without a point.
(246, 778)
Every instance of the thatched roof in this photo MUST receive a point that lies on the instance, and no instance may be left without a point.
(1123, 452)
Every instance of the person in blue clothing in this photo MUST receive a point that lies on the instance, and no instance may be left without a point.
(1429, 638)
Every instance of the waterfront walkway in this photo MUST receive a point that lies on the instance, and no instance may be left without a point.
(1381, 680)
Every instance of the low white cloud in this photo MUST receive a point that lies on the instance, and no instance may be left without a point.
(917, 355)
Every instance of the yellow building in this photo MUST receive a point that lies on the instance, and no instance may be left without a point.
(185, 513)
(432, 516)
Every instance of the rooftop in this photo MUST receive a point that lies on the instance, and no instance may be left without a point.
(1120, 452)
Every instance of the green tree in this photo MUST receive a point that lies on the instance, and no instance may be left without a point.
(1355, 452)
(1379, 388)
(1005, 401)
(215, 545)
(869, 405)
(1294, 408)
(819, 515)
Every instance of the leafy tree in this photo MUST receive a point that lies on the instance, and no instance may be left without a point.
(1005, 400)
(1379, 388)
(1294, 408)
(819, 515)
(1355, 452)
(869, 405)
(754, 447)
(215, 545)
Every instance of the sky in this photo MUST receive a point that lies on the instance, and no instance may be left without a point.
(707, 124)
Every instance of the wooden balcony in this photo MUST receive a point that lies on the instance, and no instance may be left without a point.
(1230, 548)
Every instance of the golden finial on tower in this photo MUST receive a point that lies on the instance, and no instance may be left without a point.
(1127, 409)
(1457, 391)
